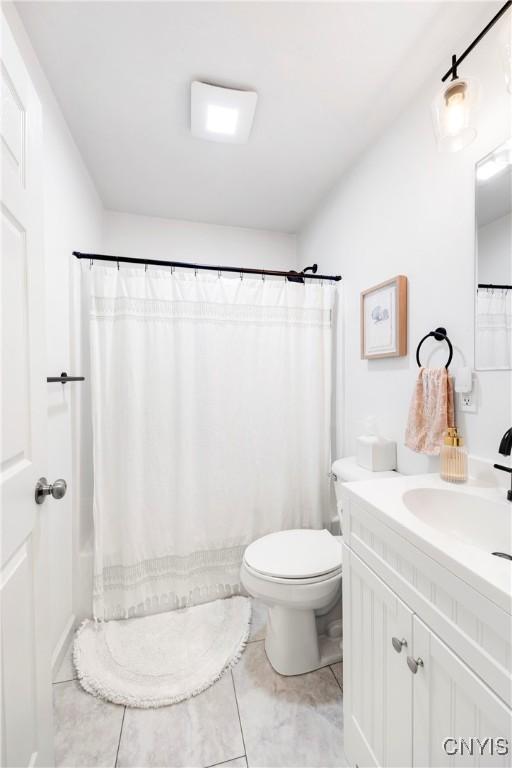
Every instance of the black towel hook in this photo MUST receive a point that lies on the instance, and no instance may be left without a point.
(440, 335)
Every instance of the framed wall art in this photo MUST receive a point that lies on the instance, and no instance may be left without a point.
(384, 319)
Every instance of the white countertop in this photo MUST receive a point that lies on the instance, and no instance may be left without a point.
(490, 575)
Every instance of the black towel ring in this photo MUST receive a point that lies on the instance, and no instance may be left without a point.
(440, 335)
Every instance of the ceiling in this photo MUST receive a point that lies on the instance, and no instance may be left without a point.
(330, 76)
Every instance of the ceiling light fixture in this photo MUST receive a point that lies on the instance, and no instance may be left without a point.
(221, 114)
(453, 109)
(221, 119)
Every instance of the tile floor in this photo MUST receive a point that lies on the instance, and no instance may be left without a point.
(251, 718)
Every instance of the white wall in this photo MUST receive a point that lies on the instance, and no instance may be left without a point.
(494, 251)
(405, 208)
(145, 236)
(72, 217)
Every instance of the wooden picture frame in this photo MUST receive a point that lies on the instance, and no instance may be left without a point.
(384, 319)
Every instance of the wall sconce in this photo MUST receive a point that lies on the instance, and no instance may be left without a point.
(454, 114)
(453, 110)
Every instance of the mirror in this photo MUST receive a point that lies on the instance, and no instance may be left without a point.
(493, 311)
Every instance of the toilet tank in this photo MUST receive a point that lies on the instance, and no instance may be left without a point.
(346, 471)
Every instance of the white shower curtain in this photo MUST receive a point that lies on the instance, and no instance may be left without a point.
(211, 422)
(493, 328)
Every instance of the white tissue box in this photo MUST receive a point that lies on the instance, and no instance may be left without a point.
(376, 453)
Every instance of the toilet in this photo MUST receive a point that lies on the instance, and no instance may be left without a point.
(297, 575)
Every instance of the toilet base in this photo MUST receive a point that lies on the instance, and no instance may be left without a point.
(293, 645)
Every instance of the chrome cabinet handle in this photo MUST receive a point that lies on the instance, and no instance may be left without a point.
(413, 664)
(398, 644)
(44, 488)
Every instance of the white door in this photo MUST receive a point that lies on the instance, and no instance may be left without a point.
(377, 683)
(26, 675)
(451, 702)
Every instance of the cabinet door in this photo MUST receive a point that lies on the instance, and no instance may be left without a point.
(377, 680)
(450, 701)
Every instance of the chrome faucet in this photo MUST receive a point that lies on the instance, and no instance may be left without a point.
(505, 449)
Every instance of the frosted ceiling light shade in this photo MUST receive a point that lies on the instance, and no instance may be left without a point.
(454, 114)
(221, 119)
(221, 114)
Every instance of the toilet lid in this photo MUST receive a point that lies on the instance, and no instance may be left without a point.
(297, 554)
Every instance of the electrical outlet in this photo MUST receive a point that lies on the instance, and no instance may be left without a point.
(467, 402)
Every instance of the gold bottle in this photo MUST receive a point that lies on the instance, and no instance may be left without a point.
(454, 459)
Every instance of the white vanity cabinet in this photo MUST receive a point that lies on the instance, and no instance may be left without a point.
(400, 603)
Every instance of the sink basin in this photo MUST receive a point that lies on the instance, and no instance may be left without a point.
(471, 519)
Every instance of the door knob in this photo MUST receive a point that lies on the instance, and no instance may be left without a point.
(44, 488)
(413, 664)
(398, 644)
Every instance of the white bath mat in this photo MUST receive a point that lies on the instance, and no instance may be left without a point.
(153, 661)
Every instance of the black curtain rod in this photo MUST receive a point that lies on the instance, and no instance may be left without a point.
(485, 30)
(498, 287)
(294, 277)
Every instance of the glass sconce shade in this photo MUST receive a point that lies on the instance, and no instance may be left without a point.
(454, 113)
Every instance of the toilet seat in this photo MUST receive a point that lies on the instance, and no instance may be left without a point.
(325, 577)
(295, 557)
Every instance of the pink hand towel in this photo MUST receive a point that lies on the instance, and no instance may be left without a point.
(431, 411)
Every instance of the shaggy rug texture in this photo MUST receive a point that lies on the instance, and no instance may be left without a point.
(153, 661)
